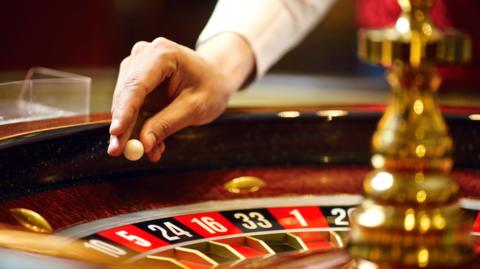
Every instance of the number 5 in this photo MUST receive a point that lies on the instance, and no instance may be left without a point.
(133, 238)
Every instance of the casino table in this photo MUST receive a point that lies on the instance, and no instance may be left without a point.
(260, 187)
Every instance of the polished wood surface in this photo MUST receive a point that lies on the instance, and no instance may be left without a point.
(22, 128)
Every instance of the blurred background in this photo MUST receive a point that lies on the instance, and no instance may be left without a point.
(92, 33)
(91, 37)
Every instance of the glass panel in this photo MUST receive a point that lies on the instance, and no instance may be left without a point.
(45, 93)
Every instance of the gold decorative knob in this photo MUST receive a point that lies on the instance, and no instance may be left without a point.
(244, 184)
(31, 220)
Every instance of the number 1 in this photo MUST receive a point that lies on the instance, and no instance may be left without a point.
(299, 217)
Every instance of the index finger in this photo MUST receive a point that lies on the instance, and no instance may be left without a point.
(146, 71)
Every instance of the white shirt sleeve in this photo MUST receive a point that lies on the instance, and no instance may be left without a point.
(271, 27)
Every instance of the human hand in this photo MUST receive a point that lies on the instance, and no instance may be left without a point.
(180, 86)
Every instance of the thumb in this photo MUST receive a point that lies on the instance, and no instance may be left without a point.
(179, 114)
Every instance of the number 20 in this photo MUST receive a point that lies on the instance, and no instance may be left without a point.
(341, 216)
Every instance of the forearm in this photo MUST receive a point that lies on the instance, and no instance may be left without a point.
(231, 56)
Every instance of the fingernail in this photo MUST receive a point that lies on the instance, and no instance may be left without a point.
(114, 125)
(113, 143)
(162, 147)
(159, 157)
(152, 141)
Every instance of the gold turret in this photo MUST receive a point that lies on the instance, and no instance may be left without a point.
(410, 216)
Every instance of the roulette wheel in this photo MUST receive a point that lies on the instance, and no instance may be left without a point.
(241, 192)
(264, 188)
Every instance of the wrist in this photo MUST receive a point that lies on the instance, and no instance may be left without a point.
(231, 57)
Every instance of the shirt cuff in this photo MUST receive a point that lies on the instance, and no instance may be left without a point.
(270, 27)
